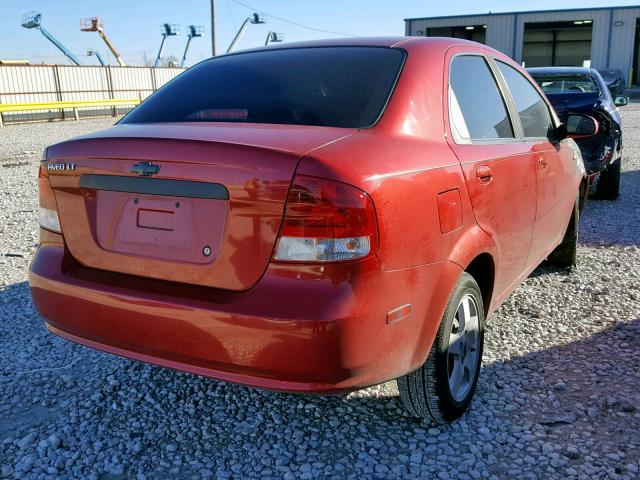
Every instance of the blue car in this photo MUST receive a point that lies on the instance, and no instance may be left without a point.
(582, 90)
(614, 79)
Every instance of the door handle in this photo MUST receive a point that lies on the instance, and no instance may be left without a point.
(484, 174)
(542, 162)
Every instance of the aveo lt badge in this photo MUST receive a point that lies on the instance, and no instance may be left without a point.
(60, 167)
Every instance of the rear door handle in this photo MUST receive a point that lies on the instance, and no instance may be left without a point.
(484, 174)
(542, 162)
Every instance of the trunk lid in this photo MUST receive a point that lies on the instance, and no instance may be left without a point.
(190, 202)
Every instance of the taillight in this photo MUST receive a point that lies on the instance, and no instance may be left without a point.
(48, 217)
(326, 221)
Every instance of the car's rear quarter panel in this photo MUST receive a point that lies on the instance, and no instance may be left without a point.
(404, 163)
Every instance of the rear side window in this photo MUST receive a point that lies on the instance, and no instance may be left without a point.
(532, 109)
(329, 86)
(476, 107)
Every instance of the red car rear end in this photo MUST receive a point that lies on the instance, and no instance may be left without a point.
(294, 219)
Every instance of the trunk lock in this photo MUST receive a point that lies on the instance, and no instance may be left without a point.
(206, 251)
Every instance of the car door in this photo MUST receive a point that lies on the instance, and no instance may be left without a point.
(553, 161)
(498, 167)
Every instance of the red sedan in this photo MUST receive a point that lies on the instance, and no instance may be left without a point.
(318, 217)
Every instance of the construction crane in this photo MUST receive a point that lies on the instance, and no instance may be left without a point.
(34, 20)
(91, 52)
(194, 32)
(168, 30)
(274, 37)
(94, 24)
(254, 19)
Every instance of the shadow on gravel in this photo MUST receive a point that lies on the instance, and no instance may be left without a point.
(580, 396)
(614, 222)
(546, 268)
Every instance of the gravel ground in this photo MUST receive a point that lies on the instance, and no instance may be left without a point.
(558, 397)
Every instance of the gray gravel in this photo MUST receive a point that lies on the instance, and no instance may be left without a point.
(558, 397)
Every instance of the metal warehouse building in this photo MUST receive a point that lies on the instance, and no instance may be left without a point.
(597, 37)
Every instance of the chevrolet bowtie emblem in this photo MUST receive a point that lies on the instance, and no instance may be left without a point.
(145, 169)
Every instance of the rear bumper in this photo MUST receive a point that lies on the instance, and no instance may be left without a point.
(302, 329)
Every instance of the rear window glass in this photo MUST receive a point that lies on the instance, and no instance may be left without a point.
(329, 86)
(566, 83)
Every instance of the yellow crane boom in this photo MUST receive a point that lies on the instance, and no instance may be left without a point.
(94, 24)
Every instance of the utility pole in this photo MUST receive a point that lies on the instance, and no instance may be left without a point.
(213, 28)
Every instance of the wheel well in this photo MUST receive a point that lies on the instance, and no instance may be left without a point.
(583, 192)
(483, 271)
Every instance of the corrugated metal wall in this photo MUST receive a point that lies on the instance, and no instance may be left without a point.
(621, 44)
(45, 83)
(499, 28)
(50, 83)
(612, 46)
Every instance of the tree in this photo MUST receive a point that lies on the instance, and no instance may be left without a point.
(166, 61)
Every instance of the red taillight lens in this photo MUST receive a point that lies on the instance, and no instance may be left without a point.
(48, 216)
(326, 221)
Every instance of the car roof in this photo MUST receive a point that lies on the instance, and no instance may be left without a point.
(395, 41)
(610, 70)
(560, 70)
(338, 42)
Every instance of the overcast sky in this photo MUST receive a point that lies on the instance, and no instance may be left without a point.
(134, 25)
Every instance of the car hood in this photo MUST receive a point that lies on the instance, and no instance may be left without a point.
(610, 77)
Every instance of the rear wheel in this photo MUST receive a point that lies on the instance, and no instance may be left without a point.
(442, 388)
(566, 254)
(609, 182)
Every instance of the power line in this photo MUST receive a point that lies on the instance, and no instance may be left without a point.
(233, 20)
(292, 22)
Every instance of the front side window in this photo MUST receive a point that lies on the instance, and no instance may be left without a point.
(532, 109)
(476, 108)
(325, 86)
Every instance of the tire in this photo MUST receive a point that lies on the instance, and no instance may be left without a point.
(609, 182)
(566, 254)
(427, 392)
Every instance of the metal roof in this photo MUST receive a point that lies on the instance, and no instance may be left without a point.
(492, 14)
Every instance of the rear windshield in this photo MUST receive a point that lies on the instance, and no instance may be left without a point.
(328, 86)
(566, 83)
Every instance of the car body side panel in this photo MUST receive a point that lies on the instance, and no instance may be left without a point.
(558, 180)
(505, 206)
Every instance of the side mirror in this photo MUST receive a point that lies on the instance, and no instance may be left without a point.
(621, 101)
(579, 126)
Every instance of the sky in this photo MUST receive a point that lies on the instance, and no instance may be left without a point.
(134, 26)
